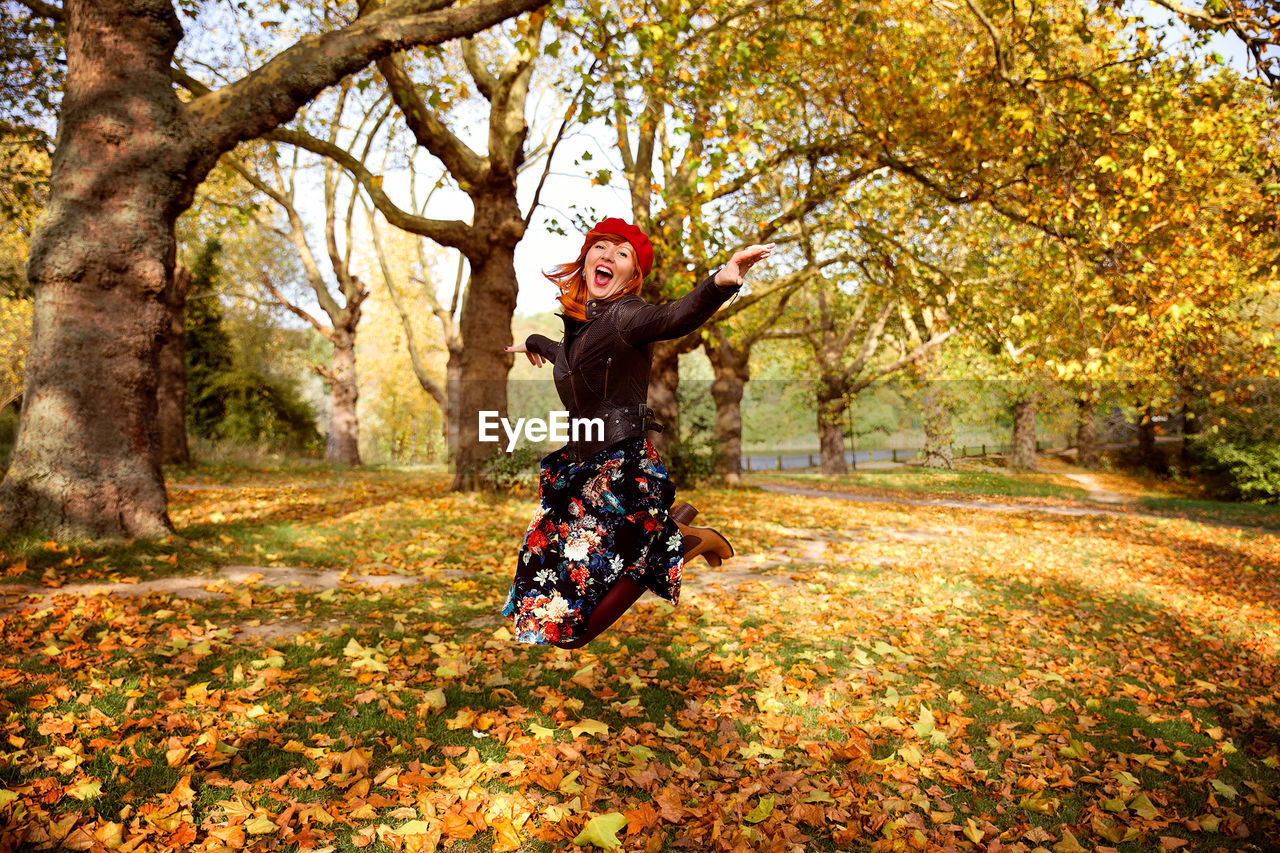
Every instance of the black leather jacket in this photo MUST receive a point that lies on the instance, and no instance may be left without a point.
(601, 367)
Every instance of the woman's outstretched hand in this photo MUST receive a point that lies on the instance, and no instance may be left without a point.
(534, 359)
(732, 272)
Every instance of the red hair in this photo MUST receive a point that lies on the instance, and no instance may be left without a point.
(572, 283)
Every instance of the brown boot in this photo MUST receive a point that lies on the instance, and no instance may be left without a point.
(700, 541)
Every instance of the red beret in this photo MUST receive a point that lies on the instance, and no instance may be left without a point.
(630, 233)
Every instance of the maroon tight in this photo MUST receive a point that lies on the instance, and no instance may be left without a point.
(616, 601)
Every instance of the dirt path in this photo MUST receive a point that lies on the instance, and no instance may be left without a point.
(14, 596)
(1097, 492)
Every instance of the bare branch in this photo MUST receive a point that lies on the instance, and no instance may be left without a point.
(283, 300)
(415, 357)
(454, 233)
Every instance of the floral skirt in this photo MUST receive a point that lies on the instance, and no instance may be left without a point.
(598, 519)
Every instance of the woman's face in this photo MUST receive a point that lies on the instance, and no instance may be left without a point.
(608, 268)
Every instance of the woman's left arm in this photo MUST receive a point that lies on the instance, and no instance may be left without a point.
(640, 323)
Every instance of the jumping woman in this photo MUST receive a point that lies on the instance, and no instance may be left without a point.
(606, 528)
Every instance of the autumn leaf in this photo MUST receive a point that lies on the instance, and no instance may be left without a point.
(414, 827)
(594, 727)
(763, 808)
(1142, 806)
(260, 825)
(1227, 791)
(1068, 844)
(86, 789)
(602, 831)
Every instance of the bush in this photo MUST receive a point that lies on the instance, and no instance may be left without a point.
(696, 458)
(515, 471)
(8, 434)
(263, 412)
(1241, 455)
(1241, 470)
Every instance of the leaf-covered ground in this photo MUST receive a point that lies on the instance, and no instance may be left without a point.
(881, 677)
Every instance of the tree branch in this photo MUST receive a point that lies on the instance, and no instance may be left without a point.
(43, 10)
(298, 236)
(280, 297)
(485, 82)
(454, 233)
(427, 128)
(272, 94)
(415, 357)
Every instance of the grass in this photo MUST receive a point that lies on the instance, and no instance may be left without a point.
(1017, 677)
(961, 482)
(1220, 512)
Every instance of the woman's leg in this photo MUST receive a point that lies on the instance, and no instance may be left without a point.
(616, 601)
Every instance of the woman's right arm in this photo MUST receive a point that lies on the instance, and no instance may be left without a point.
(538, 348)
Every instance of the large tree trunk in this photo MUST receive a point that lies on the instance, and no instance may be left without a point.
(831, 408)
(938, 434)
(1087, 431)
(344, 427)
(87, 457)
(171, 395)
(731, 375)
(1023, 456)
(129, 157)
(483, 366)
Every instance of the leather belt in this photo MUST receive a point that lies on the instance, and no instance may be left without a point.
(620, 423)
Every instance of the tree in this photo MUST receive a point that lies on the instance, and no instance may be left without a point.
(343, 446)
(171, 386)
(729, 342)
(130, 155)
(445, 315)
(477, 373)
(708, 111)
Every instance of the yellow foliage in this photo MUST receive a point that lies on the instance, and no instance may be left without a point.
(15, 339)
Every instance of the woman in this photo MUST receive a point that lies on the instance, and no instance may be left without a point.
(606, 529)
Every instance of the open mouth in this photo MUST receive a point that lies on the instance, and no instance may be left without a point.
(604, 275)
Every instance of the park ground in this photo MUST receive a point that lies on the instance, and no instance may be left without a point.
(895, 660)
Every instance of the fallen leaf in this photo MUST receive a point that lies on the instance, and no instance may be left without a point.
(602, 831)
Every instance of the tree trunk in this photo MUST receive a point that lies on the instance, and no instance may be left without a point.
(128, 159)
(664, 385)
(453, 381)
(1190, 426)
(171, 394)
(831, 409)
(1023, 456)
(483, 365)
(1087, 432)
(344, 427)
(86, 460)
(1148, 455)
(731, 375)
(938, 435)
